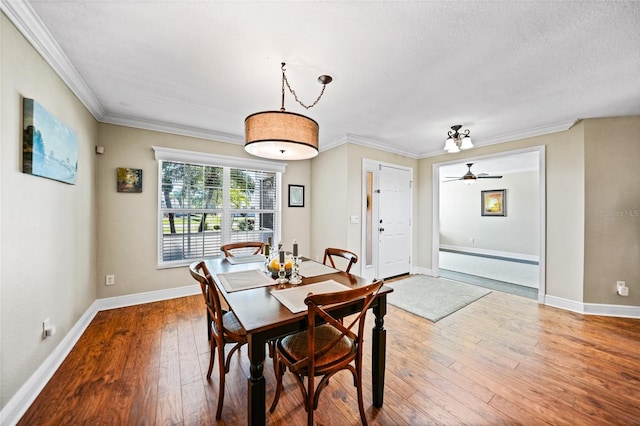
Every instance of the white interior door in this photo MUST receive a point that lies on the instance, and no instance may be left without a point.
(394, 221)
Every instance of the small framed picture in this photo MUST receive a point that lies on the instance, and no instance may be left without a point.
(296, 195)
(494, 202)
(129, 180)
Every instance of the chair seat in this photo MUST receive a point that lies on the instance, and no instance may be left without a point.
(295, 347)
(230, 322)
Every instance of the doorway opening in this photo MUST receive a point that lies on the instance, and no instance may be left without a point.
(496, 243)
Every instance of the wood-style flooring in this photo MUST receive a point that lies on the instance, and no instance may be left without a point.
(503, 360)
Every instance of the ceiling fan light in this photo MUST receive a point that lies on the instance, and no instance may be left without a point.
(466, 143)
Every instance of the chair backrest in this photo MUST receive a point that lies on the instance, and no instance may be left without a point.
(318, 313)
(200, 272)
(257, 246)
(351, 257)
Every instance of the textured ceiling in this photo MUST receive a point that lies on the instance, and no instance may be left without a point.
(404, 71)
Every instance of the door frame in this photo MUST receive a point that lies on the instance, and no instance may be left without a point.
(435, 243)
(368, 165)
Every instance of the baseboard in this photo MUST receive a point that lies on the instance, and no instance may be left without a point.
(13, 411)
(22, 400)
(148, 297)
(624, 311)
(492, 253)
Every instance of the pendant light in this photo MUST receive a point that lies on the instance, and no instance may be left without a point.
(283, 135)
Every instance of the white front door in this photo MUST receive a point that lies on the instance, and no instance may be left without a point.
(394, 221)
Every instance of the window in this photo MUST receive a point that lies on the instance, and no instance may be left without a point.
(202, 206)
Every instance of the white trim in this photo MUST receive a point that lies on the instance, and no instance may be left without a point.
(507, 254)
(174, 129)
(208, 159)
(624, 311)
(28, 392)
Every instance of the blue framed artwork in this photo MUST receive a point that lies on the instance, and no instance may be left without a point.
(49, 147)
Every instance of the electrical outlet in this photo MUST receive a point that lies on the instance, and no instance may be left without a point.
(46, 324)
(110, 280)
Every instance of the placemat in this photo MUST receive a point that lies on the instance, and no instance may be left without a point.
(249, 258)
(293, 298)
(244, 280)
(310, 268)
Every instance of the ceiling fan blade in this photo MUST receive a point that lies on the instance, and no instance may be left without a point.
(453, 177)
(489, 177)
(451, 180)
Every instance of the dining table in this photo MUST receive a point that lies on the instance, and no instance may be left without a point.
(265, 318)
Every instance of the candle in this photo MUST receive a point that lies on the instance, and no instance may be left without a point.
(295, 248)
(281, 257)
(267, 247)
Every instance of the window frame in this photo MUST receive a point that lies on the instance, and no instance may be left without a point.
(215, 160)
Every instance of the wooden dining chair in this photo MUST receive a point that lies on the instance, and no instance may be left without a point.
(333, 346)
(224, 328)
(253, 247)
(330, 253)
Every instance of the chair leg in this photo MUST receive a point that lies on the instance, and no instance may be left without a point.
(363, 417)
(221, 385)
(212, 357)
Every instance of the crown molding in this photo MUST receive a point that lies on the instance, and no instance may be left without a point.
(22, 15)
(173, 129)
(369, 143)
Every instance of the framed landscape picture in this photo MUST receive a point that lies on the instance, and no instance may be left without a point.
(129, 180)
(49, 147)
(494, 202)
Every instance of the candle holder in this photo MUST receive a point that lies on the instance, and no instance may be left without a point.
(295, 274)
(282, 275)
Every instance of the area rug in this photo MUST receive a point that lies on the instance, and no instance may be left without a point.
(432, 298)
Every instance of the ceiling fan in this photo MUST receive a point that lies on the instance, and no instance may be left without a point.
(470, 177)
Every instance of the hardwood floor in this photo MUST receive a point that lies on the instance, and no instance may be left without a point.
(503, 360)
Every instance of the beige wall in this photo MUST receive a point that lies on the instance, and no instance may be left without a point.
(329, 200)
(337, 189)
(48, 242)
(128, 222)
(612, 209)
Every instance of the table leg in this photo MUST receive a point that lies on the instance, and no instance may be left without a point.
(378, 354)
(256, 401)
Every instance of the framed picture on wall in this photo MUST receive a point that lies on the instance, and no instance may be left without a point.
(296, 195)
(494, 202)
(129, 180)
